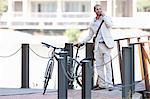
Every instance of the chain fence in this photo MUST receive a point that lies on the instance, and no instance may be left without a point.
(70, 77)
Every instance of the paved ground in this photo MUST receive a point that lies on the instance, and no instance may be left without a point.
(52, 94)
(28, 93)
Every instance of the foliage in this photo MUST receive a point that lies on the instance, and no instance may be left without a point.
(3, 5)
(143, 5)
(72, 34)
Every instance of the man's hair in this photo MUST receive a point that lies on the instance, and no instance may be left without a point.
(96, 6)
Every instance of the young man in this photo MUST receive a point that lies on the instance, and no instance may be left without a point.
(103, 45)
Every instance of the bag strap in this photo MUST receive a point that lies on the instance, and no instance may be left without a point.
(99, 28)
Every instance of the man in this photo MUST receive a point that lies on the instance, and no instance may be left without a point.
(103, 45)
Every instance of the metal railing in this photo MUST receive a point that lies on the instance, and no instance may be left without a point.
(143, 55)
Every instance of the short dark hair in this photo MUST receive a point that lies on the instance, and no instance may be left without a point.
(96, 6)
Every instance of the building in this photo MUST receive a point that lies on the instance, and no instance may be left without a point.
(64, 14)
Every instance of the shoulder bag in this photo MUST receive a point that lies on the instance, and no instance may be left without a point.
(97, 33)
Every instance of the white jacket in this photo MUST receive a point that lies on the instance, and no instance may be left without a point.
(104, 30)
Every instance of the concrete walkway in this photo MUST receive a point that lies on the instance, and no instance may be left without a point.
(28, 93)
(21, 93)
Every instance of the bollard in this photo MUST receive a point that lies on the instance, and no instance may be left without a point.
(89, 51)
(86, 79)
(25, 66)
(127, 73)
(62, 80)
(90, 56)
(69, 48)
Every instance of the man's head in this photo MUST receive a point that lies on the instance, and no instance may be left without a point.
(98, 9)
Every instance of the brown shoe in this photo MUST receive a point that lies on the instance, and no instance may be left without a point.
(110, 89)
(98, 88)
(95, 86)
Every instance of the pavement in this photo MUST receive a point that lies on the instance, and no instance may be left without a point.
(30, 93)
(25, 93)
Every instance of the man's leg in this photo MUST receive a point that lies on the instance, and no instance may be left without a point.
(107, 61)
(100, 68)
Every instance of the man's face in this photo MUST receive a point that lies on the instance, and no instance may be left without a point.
(98, 10)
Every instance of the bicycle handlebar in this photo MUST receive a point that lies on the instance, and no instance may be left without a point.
(78, 46)
(48, 45)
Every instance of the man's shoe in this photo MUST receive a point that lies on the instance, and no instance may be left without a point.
(98, 88)
(110, 89)
(95, 86)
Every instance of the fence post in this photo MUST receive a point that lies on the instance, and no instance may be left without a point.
(69, 49)
(132, 67)
(86, 79)
(90, 55)
(127, 73)
(62, 80)
(25, 66)
(120, 59)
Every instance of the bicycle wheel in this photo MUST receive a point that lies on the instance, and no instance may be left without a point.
(78, 73)
(48, 74)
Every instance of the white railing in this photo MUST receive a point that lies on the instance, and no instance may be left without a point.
(65, 20)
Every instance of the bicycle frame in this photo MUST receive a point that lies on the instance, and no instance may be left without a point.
(50, 63)
(72, 75)
(50, 66)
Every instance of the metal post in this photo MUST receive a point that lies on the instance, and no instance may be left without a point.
(120, 60)
(62, 80)
(132, 67)
(86, 79)
(127, 65)
(89, 51)
(90, 55)
(69, 48)
(25, 66)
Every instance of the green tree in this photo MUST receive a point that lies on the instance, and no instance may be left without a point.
(143, 5)
(3, 5)
(72, 34)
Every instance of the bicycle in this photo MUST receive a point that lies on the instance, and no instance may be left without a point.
(50, 65)
(49, 69)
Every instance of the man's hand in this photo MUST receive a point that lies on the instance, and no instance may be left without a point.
(78, 45)
(102, 14)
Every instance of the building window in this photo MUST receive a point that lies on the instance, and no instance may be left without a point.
(83, 8)
(104, 5)
(75, 6)
(39, 7)
(44, 6)
(18, 6)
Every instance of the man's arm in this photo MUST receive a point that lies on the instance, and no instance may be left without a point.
(86, 39)
(90, 35)
(108, 21)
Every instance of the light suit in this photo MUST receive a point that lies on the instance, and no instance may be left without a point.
(102, 50)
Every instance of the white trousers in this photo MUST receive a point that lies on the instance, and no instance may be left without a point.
(103, 57)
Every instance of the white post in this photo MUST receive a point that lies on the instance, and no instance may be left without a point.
(10, 13)
(134, 7)
(114, 8)
(93, 2)
(25, 8)
(59, 8)
(109, 7)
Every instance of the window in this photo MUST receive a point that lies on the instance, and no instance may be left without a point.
(74, 6)
(39, 7)
(44, 6)
(18, 6)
